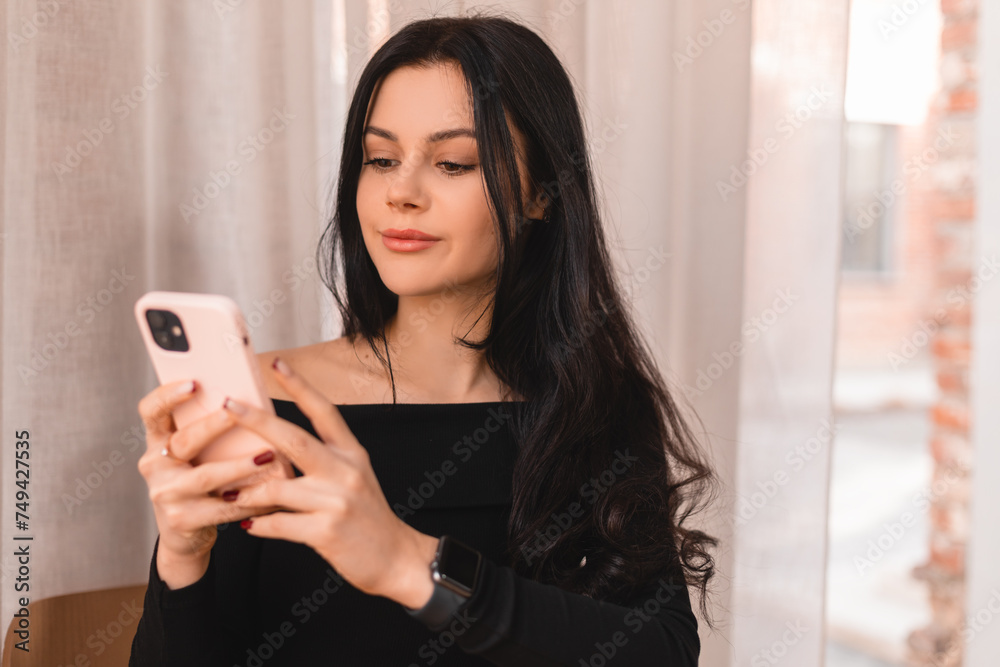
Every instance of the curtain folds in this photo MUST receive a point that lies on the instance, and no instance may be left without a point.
(190, 145)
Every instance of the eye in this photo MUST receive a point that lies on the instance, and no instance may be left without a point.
(455, 169)
(379, 164)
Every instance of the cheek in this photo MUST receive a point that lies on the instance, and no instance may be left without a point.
(367, 197)
(470, 205)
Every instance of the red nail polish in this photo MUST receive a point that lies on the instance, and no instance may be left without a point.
(246, 523)
(266, 457)
(230, 495)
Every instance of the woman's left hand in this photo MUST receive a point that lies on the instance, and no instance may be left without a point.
(337, 506)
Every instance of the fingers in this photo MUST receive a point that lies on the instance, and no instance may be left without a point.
(292, 526)
(298, 445)
(156, 406)
(188, 442)
(296, 494)
(222, 475)
(326, 418)
(202, 513)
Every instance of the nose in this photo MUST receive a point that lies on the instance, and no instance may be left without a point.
(405, 189)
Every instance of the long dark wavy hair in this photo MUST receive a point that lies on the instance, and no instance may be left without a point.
(559, 335)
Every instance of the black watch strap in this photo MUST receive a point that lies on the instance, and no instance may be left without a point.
(455, 573)
(439, 608)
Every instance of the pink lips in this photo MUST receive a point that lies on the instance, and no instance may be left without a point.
(407, 240)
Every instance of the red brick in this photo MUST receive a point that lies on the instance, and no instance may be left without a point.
(948, 557)
(952, 381)
(957, 317)
(955, 279)
(952, 452)
(940, 519)
(958, 34)
(954, 208)
(952, 348)
(962, 100)
(951, 417)
(956, 8)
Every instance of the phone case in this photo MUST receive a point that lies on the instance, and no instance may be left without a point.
(220, 358)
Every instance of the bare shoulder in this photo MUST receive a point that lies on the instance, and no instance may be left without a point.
(332, 367)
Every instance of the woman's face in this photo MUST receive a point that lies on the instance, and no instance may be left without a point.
(422, 173)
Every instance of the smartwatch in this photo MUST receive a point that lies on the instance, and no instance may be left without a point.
(455, 573)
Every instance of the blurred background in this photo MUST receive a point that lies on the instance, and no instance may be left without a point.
(820, 175)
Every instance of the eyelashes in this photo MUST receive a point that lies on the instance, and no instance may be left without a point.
(380, 166)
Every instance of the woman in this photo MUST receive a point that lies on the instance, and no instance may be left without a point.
(523, 504)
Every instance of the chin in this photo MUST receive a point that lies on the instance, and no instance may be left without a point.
(417, 283)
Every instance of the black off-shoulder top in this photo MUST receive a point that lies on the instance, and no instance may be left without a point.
(445, 469)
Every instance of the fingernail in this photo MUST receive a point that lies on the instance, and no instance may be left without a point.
(246, 523)
(281, 367)
(233, 406)
(266, 457)
(230, 495)
(186, 388)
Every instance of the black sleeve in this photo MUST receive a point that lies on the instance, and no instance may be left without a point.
(513, 620)
(182, 626)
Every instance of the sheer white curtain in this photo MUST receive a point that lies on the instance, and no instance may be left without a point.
(198, 140)
(146, 145)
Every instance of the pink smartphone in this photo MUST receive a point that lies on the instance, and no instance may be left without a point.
(204, 337)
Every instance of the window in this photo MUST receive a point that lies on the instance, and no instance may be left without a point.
(870, 205)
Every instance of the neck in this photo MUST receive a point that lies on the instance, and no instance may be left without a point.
(427, 364)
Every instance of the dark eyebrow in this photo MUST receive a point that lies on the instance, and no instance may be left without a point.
(440, 135)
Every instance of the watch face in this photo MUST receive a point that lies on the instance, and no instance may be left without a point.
(458, 565)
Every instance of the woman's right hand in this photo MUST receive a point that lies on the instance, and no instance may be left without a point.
(185, 508)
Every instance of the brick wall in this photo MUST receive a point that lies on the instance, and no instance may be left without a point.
(951, 210)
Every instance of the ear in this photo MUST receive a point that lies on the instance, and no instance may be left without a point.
(535, 209)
